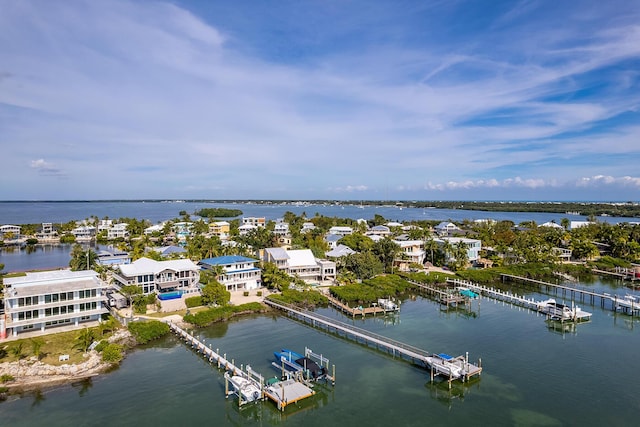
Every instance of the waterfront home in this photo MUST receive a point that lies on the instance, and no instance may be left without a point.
(301, 263)
(446, 228)
(257, 221)
(245, 228)
(220, 229)
(10, 232)
(84, 233)
(473, 247)
(160, 277)
(104, 225)
(307, 226)
(47, 234)
(45, 300)
(281, 229)
(411, 252)
(341, 230)
(158, 228)
(237, 272)
(118, 231)
(379, 230)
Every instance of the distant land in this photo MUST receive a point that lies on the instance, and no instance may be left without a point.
(628, 209)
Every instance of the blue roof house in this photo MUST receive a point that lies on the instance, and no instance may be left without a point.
(239, 272)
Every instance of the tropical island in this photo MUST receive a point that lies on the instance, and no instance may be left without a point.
(371, 259)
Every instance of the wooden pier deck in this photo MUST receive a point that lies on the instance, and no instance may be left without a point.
(407, 352)
(282, 393)
(355, 311)
(445, 297)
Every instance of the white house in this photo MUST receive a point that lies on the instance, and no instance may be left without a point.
(245, 228)
(446, 228)
(257, 221)
(157, 228)
(301, 263)
(84, 233)
(239, 273)
(473, 246)
(48, 299)
(281, 229)
(162, 277)
(379, 230)
(341, 230)
(118, 231)
(10, 230)
(307, 226)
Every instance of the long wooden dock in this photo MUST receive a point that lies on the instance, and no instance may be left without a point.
(577, 314)
(612, 302)
(407, 352)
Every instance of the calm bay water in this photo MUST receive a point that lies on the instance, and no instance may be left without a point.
(43, 257)
(56, 212)
(533, 375)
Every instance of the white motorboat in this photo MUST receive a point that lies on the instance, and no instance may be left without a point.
(388, 304)
(562, 312)
(443, 364)
(245, 388)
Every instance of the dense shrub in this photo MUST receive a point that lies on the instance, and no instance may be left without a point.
(370, 290)
(217, 314)
(300, 298)
(193, 301)
(610, 263)
(112, 353)
(101, 345)
(146, 331)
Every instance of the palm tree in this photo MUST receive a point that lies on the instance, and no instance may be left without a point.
(84, 340)
(36, 347)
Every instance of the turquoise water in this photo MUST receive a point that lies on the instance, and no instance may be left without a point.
(534, 375)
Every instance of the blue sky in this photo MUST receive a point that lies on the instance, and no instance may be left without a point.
(393, 100)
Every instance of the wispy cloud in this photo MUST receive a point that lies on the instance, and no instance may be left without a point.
(171, 101)
(46, 169)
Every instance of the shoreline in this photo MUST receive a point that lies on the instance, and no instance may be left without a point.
(31, 375)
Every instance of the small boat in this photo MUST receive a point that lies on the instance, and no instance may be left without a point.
(443, 364)
(387, 304)
(466, 292)
(295, 362)
(561, 312)
(245, 388)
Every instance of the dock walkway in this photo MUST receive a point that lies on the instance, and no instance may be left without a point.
(612, 302)
(408, 352)
(283, 393)
(355, 311)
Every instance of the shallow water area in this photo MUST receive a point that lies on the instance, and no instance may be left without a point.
(534, 373)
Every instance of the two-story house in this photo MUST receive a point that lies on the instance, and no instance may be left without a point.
(168, 279)
(237, 272)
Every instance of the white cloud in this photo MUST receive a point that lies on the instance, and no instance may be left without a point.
(46, 168)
